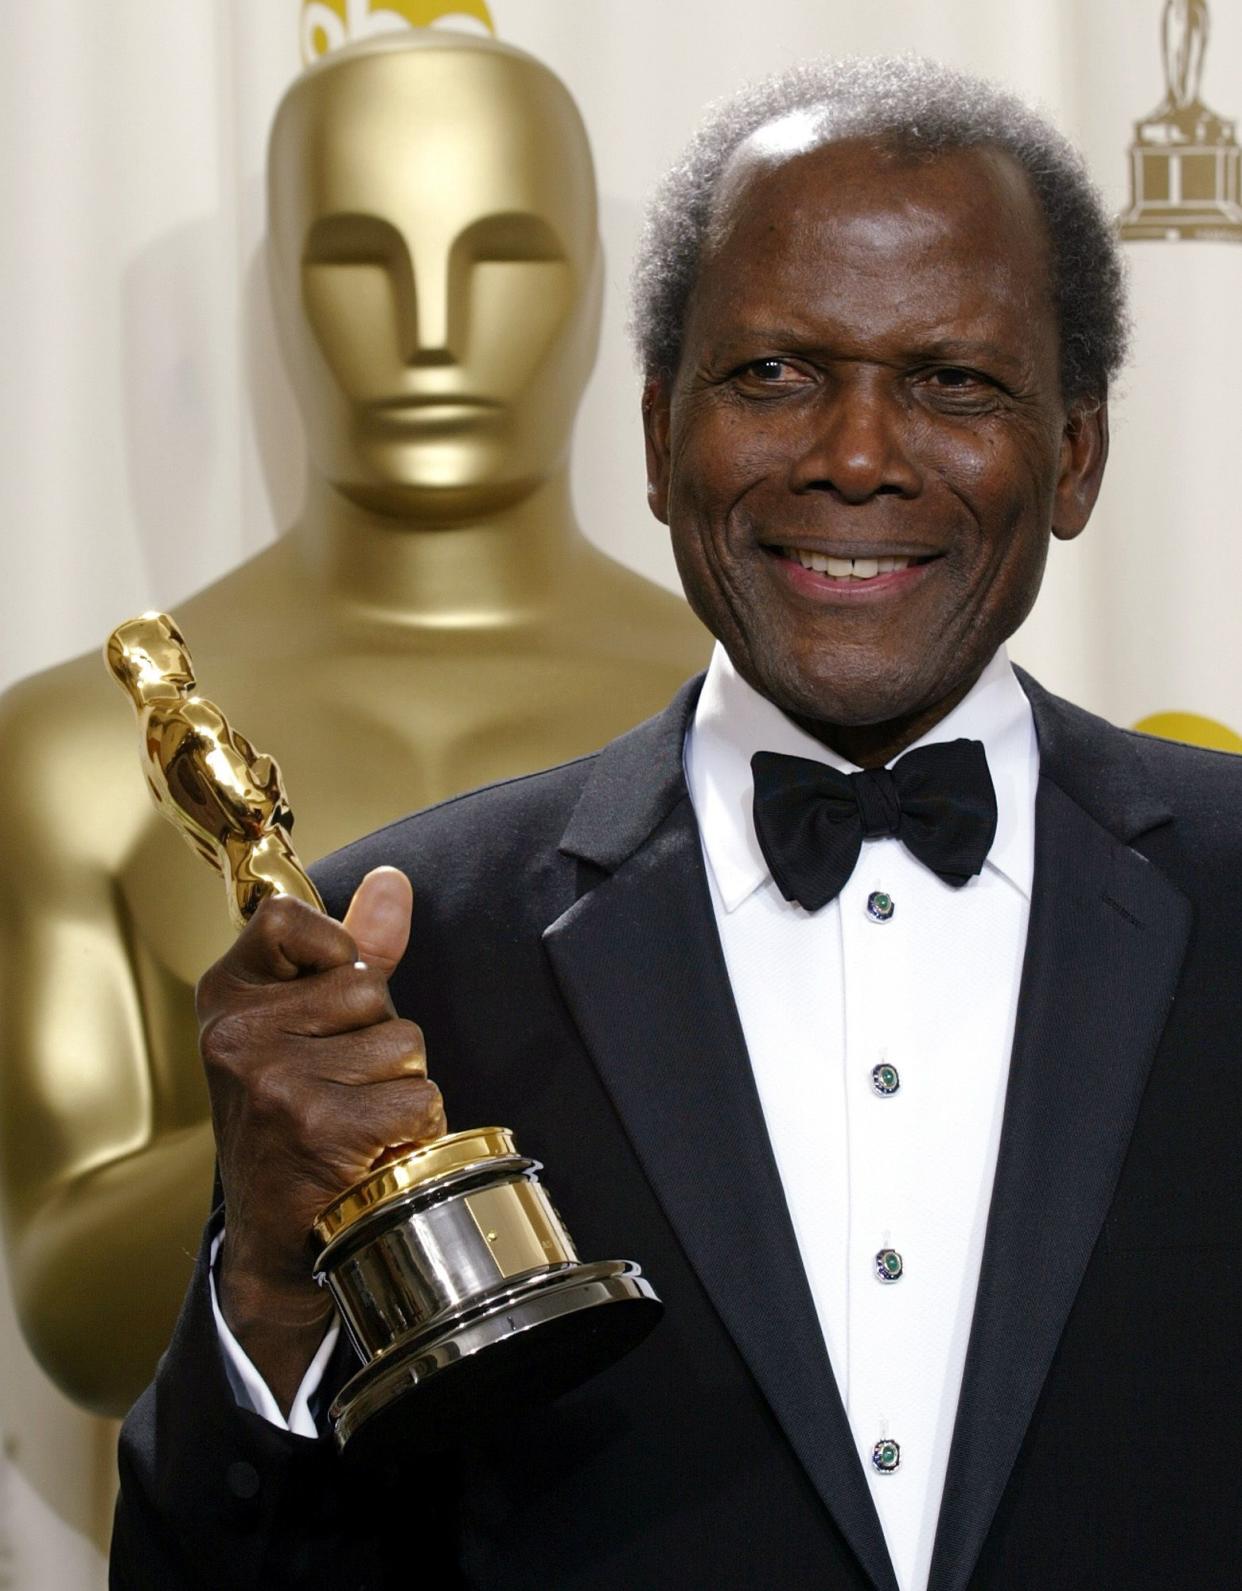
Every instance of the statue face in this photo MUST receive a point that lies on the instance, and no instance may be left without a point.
(435, 265)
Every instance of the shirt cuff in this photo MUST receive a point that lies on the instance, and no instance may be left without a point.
(249, 1388)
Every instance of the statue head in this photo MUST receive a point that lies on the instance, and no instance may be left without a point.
(436, 270)
(149, 660)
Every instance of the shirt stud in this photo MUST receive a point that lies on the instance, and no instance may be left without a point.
(888, 1265)
(884, 1079)
(886, 1457)
(880, 907)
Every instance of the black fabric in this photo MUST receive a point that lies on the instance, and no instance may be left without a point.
(565, 968)
(811, 819)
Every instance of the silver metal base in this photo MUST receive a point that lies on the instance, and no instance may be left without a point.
(523, 1344)
(465, 1298)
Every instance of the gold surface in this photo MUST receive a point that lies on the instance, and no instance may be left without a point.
(225, 798)
(453, 1152)
(517, 1224)
(433, 620)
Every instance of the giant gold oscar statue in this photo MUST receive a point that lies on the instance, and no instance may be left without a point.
(433, 620)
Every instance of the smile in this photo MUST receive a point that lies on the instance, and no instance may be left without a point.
(847, 568)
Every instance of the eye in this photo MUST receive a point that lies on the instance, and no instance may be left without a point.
(952, 378)
(771, 372)
(954, 389)
(352, 239)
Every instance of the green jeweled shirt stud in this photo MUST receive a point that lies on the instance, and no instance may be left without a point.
(884, 1079)
(888, 1265)
(886, 1457)
(880, 906)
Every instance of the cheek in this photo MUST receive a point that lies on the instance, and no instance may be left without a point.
(718, 460)
(1003, 483)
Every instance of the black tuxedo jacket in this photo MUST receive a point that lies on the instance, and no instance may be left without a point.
(566, 968)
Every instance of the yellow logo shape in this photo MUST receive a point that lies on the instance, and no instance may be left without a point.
(1192, 728)
(328, 24)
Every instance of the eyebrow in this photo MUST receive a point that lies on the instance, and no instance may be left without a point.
(965, 350)
(936, 350)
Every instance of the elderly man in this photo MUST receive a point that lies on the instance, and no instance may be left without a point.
(861, 994)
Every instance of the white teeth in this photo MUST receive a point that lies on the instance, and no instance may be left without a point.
(846, 568)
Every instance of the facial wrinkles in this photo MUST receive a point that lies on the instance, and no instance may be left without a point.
(719, 566)
(867, 280)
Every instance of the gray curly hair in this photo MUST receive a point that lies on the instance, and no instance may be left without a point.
(920, 108)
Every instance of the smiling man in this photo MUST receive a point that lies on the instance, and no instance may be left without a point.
(870, 995)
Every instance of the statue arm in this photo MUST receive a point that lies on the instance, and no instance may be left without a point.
(101, 1207)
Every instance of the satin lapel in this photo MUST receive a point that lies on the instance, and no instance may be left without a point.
(640, 965)
(1104, 948)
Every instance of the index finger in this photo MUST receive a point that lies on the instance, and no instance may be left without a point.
(286, 938)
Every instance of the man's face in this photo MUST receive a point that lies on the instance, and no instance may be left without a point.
(870, 373)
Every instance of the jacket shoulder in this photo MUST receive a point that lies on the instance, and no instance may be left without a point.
(1202, 786)
(503, 831)
(1139, 784)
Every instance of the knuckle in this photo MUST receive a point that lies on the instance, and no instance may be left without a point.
(272, 1092)
(430, 1103)
(226, 1042)
(319, 1125)
(403, 1040)
(275, 917)
(364, 995)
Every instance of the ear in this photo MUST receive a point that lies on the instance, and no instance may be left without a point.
(1084, 453)
(657, 404)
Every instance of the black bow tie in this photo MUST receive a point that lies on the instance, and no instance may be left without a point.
(811, 820)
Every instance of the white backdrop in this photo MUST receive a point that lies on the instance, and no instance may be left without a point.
(151, 443)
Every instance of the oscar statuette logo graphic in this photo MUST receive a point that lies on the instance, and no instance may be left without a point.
(1185, 180)
(328, 24)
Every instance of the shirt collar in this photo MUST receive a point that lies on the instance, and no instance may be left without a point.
(732, 721)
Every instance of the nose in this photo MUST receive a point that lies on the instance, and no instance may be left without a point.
(857, 444)
(431, 313)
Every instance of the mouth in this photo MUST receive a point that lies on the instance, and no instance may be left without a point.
(434, 400)
(433, 411)
(850, 575)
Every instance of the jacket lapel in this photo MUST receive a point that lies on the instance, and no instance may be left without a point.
(639, 962)
(1104, 948)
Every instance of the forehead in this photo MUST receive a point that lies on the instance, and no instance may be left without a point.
(859, 219)
(434, 138)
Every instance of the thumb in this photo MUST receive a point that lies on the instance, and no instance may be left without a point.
(378, 918)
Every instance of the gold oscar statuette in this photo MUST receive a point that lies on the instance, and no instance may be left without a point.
(456, 1281)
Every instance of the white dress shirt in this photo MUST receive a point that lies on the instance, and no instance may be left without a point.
(824, 998)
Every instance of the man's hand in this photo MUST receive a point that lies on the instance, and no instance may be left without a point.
(312, 1076)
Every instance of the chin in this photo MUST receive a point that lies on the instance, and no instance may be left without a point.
(440, 501)
(843, 690)
(460, 463)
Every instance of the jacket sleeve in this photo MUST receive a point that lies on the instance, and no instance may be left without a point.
(213, 1495)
